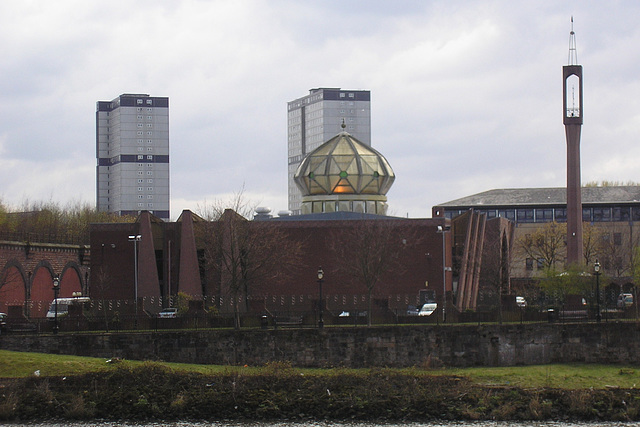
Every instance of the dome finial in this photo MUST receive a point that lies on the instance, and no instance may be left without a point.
(343, 125)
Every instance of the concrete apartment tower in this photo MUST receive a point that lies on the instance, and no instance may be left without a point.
(132, 152)
(572, 118)
(318, 117)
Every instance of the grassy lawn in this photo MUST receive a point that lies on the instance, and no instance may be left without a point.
(569, 376)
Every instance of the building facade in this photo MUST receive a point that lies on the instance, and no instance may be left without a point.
(610, 220)
(318, 116)
(132, 153)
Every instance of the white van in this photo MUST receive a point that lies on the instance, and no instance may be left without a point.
(63, 306)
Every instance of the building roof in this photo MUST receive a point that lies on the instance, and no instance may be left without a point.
(547, 196)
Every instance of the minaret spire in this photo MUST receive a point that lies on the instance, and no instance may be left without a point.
(573, 52)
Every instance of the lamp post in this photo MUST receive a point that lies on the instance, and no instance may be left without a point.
(135, 239)
(320, 308)
(443, 229)
(56, 292)
(596, 272)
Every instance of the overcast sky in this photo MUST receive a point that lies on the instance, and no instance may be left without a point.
(466, 96)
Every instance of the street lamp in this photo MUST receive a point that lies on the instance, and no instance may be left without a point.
(135, 239)
(56, 292)
(444, 229)
(596, 272)
(320, 313)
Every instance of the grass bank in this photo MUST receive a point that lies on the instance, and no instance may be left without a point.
(68, 387)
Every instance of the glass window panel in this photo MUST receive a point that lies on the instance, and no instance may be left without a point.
(525, 215)
(344, 206)
(371, 207)
(621, 213)
(358, 206)
(601, 214)
(509, 214)
(561, 214)
(343, 148)
(586, 214)
(544, 215)
(329, 206)
(317, 207)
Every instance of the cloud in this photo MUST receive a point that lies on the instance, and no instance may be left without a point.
(465, 97)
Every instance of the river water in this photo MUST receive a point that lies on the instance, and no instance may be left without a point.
(323, 424)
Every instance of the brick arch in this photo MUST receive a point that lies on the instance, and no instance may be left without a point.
(41, 291)
(71, 280)
(14, 287)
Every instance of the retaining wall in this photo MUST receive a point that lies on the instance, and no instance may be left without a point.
(393, 346)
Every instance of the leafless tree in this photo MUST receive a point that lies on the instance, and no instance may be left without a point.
(368, 250)
(246, 253)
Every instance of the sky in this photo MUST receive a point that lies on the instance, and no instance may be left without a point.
(466, 96)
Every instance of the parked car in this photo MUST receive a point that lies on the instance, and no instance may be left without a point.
(521, 302)
(427, 309)
(168, 313)
(625, 300)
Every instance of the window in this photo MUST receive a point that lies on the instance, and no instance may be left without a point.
(150, 157)
(149, 133)
(140, 205)
(139, 188)
(149, 141)
(342, 95)
(601, 214)
(150, 205)
(139, 116)
(540, 264)
(544, 215)
(139, 125)
(139, 196)
(149, 148)
(140, 132)
(139, 148)
(149, 110)
(140, 141)
(140, 181)
(139, 101)
(150, 180)
(586, 214)
(149, 196)
(561, 215)
(149, 172)
(149, 188)
(140, 157)
(149, 102)
(525, 215)
(139, 172)
(509, 214)
(529, 264)
(621, 213)
(149, 125)
(139, 108)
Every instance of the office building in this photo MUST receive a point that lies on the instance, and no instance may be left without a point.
(132, 152)
(317, 117)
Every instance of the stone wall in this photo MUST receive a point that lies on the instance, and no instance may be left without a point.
(396, 346)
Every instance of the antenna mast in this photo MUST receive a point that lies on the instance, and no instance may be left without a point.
(573, 52)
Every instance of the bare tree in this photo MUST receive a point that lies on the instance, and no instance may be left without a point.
(246, 253)
(546, 245)
(369, 249)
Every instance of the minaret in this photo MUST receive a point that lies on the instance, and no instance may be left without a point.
(572, 119)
